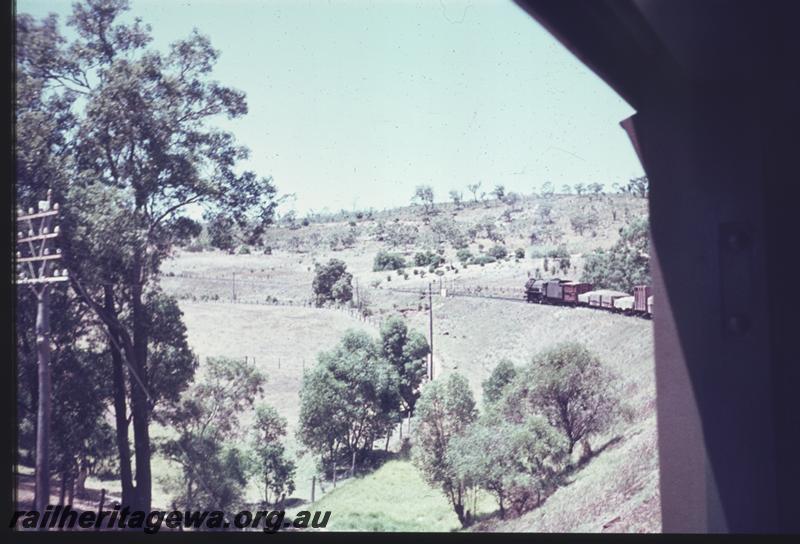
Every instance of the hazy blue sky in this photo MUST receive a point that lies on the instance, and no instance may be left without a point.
(354, 103)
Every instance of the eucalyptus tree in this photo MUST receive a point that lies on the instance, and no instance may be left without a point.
(126, 137)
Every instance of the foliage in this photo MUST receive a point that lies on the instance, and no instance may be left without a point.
(544, 212)
(388, 261)
(638, 187)
(348, 400)
(626, 264)
(444, 411)
(428, 258)
(124, 135)
(483, 260)
(446, 230)
(595, 188)
(464, 255)
(423, 194)
(186, 229)
(502, 375)
(585, 220)
(401, 234)
(516, 462)
(407, 351)
(213, 472)
(571, 388)
(457, 197)
(474, 188)
(498, 252)
(549, 233)
(519, 253)
(499, 191)
(332, 283)
(269, 462)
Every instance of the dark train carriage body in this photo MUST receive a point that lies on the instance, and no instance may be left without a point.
(574, 288)
(554, 290)
(640, 295)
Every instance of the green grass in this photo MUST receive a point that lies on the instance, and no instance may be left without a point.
(393, 498)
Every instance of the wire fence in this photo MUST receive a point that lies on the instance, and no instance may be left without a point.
(233, 290)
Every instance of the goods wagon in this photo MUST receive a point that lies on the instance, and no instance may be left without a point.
(624, 304)
(574, 288)
(641, 294)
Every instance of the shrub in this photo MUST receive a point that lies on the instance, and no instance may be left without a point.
(498, 251)
(243, 250)
(482, 260)
(428, 258)
(502, 375)
(388, 261)
(332, 282)
(625, 264)
(421, 259)
(519, 253)
(464, 255)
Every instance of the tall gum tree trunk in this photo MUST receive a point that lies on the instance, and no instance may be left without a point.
(120, 409)
(139, 403)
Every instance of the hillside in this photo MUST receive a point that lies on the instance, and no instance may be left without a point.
(256, 305)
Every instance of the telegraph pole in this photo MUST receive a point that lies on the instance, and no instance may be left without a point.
(33, 250)
(430, 327)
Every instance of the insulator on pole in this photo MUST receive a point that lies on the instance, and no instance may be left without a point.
(19, 234)
(58, 251)
(30, 211)
(56, 273)
(30, 232)
(47, 251)
(19, 254)
(20, 211)
(55, 206)
(45, 230)
(65, 272)
(57, 229)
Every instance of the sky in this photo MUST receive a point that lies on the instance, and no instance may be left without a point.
(352, 104)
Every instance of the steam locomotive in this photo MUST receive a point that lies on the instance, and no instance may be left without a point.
(575, 293)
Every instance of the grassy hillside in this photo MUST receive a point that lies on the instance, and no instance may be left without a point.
(393, 498)
(616, 491)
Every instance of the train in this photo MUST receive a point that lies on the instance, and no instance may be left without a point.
(576, 293)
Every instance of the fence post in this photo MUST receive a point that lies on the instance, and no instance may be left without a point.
(100, 506)
(313, 485)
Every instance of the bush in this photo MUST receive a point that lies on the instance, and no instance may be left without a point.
(428, 258)
(332, 282)
(519, 253)
(502, 375)
(483, 259)
(498, 251)
(388, 261)
(243, 250)
(464, 255)
(625, 264)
